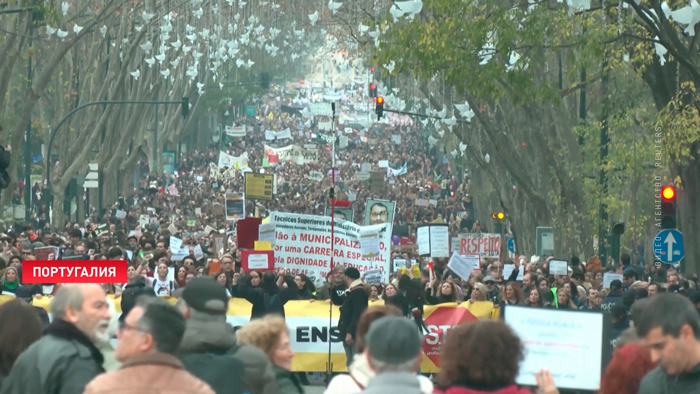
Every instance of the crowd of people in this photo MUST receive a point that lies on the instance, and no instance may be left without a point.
(191, 348)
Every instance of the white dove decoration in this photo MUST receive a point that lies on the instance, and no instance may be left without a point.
(160, 58)
(487, 158)
(333, 6)
(50, 30)
(147, 46)
(77, 29)
(313, 18)
(150, 61)
(136, 74)
(390, 66)
(660, 51)
(165, 73)
(147, 17)
(462, 147)
(363, 29)
(103, 30)
(689, 16)
(64, 8)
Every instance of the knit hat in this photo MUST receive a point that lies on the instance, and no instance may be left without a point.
(204, 294)
(393, 340)
(352, 273)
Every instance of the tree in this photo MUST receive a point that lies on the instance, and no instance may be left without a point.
(517, 67)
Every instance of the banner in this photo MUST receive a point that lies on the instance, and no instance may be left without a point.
(294, 153)
(226, 160)
(485, 245)
(303, 244)
(236, 131)
(271, 135)
(308, 329)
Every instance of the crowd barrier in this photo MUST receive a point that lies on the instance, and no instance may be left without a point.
(309, 333)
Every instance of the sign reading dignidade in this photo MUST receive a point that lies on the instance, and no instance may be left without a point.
(74, 271)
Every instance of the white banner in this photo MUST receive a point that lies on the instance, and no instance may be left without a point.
(294, 153)
(226, 160)
(485, 245)
(285, 134)
(303, 244)
(236, 131)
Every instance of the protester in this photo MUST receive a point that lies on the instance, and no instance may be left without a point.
(360, 372)
(270, 295)
(104, 342)
(209, 349)
(67, 351)
(148, 339)
(486, 370)
(20, 326)
(271, 335)
(625, 371)
(353, 302)
(670, 327)
(394, 353)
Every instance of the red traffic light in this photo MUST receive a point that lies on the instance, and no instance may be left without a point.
(380, 100)
(668, 193)
(371, 69)
(342, 52)
(372, 86)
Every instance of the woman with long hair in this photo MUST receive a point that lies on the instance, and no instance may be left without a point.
(564, 299)
(626, 370)
(477, 305)
(446, 292)
(20, 326)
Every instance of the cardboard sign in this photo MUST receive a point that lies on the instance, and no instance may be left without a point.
(259, 260)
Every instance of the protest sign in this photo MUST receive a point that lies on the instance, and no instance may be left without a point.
(608, 277)
(294, 153)
(374, 277)
(463, 265)
(558, 267)
(303, 244)
(552, 338)
(485, 245)
(260, 260)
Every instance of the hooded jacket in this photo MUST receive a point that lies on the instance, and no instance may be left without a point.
(217, 337)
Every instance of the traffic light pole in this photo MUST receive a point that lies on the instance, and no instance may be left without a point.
(185, 111)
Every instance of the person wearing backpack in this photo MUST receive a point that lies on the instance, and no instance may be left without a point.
(209, 349)
(160, 283)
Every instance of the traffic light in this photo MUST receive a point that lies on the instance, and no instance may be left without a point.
(380, 107)
(498, 216)
(373, 90)
(371, 69)
(185, 107)
(342, 53)
(265, 80)
(668, 207)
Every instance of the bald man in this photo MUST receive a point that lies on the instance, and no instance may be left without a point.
(65, 359)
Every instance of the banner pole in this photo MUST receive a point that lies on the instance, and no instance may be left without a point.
(329, 372)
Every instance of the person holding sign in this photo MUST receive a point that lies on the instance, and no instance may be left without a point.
(485, 371)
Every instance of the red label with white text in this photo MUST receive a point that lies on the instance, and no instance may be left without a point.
(74, 271)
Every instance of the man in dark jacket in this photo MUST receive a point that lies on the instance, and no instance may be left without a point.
(353, 302)
(614, 297)
(670, 328)
(209, 350)
(65, 359)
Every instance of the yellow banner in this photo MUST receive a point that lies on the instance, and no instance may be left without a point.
(308, 324)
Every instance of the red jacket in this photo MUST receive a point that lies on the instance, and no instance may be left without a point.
(512, 389)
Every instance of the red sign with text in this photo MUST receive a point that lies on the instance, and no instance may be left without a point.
(74, 271)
